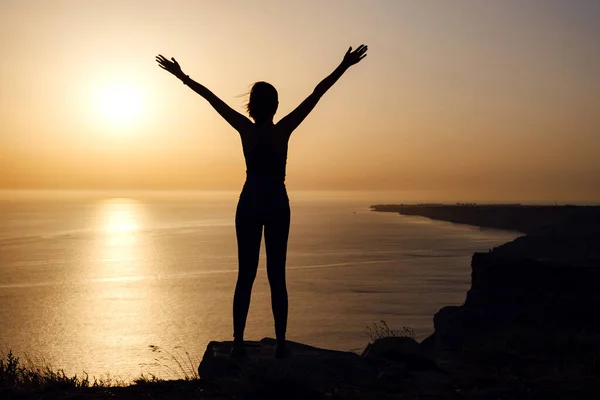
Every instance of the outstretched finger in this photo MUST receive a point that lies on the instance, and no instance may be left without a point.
(174, 60)
(361, 57)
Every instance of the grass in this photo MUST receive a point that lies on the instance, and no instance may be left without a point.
(23, 378)
(17, 373)
(24, 374)
(173, 363)
(382, 330)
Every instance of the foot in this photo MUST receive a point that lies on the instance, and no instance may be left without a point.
(238, 351)
(282, 351)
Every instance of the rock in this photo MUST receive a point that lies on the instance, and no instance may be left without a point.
(450, 326)
(401, 349)
(392, 348)
(217, 363)
(430, 378)
(389, 366)
(306, 364)
(407, 365)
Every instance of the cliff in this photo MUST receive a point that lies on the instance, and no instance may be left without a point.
(533, 303)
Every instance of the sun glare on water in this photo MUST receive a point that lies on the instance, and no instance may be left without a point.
(120, 245)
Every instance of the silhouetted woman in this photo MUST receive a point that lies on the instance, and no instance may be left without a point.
(263, 201)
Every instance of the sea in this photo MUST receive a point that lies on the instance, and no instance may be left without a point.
(119, 284)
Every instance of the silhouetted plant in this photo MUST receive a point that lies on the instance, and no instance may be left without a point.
(382, 330)
(146, 379)
(17, 373)
(176, 365)
(9, 368)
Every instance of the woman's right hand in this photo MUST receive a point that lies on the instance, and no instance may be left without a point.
(353, 57)
(171, 66)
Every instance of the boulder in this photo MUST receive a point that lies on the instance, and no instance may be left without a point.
(393, 348)
(307, 364)
(388, 367)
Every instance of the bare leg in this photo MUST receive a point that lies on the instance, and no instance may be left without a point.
(249, 232)
(277, 229)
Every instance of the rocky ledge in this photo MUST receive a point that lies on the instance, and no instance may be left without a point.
(387, 367)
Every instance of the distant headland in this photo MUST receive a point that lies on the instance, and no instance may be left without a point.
(517, 217)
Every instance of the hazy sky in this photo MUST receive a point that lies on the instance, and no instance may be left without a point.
(464, 100)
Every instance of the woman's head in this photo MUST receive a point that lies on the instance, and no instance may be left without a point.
(263, 102)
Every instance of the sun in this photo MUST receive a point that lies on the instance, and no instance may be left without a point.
(120, 105)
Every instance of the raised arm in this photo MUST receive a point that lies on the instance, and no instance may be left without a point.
(238, 121)
(293, 119)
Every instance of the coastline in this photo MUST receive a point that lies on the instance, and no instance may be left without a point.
(526, 219)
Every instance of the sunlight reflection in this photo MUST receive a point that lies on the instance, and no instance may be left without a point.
(120, 246)
(119, 284)
(120, 222)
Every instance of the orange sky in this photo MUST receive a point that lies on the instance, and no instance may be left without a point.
(467, 100)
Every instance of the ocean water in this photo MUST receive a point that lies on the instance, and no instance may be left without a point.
(89, 280)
